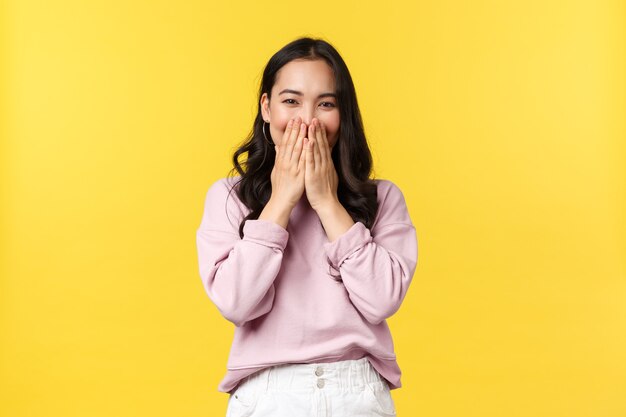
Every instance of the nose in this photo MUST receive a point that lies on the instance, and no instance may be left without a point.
(307, 114)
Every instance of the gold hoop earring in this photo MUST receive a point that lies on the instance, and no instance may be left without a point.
(271, 143)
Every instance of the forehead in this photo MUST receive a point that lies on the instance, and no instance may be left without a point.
(305, 76)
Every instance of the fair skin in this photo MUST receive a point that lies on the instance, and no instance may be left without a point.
(304, 123)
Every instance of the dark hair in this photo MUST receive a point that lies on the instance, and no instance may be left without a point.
(351, 155)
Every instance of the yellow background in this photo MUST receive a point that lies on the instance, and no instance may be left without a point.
(501, 121)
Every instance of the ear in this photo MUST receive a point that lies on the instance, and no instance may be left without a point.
(265, 107)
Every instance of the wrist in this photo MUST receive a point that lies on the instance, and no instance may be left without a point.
(277, 212)
(327, 207)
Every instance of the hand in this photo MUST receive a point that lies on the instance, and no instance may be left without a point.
(287, 175)
(320, 177)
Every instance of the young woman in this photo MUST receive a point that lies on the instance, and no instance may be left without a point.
(304, 253)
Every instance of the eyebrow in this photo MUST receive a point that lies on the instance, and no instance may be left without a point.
(299, 93)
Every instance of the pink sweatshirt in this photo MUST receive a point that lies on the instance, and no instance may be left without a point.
(296, 297)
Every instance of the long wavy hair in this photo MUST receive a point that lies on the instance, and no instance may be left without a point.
(351, 155)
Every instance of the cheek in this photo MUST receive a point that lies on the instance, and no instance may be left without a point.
(280, 120)
(332, 129)
(331, 122)
(278, 130)
(281, 125)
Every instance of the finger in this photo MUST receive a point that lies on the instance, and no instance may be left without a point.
(287, 133)
(324, 148)
(297, 149)
(293, 136)
(310, 161)
(303, 162)
(316, 153)
(318, 145)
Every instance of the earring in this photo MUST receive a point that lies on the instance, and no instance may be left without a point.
(271, 143)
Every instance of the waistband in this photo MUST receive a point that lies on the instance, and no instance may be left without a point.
(347, 375)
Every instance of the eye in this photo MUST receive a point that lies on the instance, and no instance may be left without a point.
(292, 101)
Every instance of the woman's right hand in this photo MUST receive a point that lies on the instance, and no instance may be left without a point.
(287, 176)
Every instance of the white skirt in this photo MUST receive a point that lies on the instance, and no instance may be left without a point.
(350, 388)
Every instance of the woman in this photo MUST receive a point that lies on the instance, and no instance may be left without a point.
(306, 254)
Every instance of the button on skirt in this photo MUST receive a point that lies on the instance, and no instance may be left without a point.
(350, 388)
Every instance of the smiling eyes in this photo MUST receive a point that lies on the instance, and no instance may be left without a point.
(327, 102)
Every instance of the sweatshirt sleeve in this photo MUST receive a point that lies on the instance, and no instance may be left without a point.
(238, 274)
(377, 266)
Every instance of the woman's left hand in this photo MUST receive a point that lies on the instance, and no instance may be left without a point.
(320, 177)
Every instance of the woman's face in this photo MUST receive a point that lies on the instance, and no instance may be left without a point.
(299, 91)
